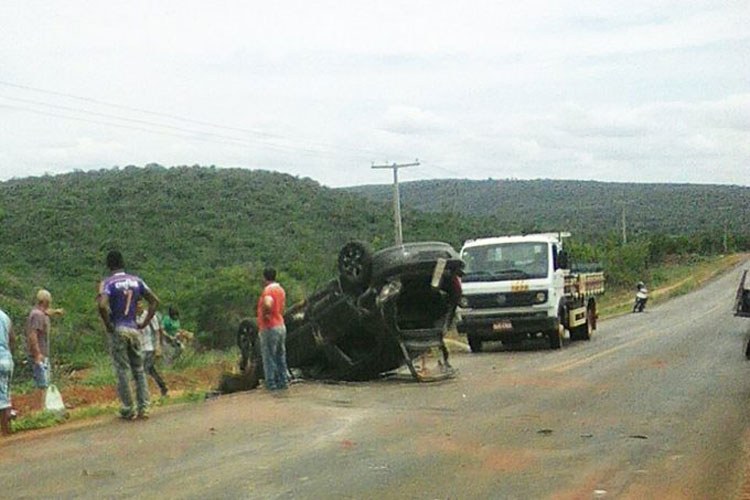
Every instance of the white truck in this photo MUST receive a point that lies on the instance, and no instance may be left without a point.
(516, 287)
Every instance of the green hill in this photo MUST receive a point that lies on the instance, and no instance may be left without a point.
(583, 207)
(198, 235)
(201, 235)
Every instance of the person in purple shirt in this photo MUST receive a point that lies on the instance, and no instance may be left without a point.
(117, 299)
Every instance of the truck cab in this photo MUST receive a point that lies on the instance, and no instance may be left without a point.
(515, 287)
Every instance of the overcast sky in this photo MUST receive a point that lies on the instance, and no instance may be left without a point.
(631, 90)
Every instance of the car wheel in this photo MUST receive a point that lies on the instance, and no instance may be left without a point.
(355, 266)
(475, 343)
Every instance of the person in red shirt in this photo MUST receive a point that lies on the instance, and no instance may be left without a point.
(272, 331)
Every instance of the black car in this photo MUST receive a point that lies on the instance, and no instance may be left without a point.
(383, 311)
(742, 299)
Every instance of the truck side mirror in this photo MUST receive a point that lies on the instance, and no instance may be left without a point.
(562, 260)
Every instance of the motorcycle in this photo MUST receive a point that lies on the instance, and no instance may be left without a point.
(641, 297)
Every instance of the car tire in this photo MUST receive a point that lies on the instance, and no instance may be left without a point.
(475, 344)
(355, 267)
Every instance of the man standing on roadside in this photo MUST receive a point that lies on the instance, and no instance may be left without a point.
(117, 301)
(272, 331)
(37, 342)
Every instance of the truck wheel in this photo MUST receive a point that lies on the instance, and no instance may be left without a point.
(586, 330)
(555, 338)
(555, 335)
(474, 343)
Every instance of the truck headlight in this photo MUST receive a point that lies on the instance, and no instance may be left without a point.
(540, 297)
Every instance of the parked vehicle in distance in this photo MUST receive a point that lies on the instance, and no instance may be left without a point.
(516, 287)
(742, 299)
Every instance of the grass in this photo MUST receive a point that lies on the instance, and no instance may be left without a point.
(39, 420)
(190, 359)
(45, 419)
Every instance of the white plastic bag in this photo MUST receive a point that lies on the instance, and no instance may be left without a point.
(53, 400)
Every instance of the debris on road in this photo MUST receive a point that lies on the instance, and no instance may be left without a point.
(98, 474)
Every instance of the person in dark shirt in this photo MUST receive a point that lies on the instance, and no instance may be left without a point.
(117, 300)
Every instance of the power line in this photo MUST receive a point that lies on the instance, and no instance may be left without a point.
(132, 108)
(177, 117)
(186, 133)
(178, 131)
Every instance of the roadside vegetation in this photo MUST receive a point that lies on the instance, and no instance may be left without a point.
(671, 279)
(200, 236)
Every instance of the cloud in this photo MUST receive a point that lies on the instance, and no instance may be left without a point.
(410, 120)
(84, 150)
(617, 90)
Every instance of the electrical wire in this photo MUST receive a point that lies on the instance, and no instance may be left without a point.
(176, 117)
(142, 125)
(173, 131)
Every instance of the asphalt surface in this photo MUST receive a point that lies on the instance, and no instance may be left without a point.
(656, 405)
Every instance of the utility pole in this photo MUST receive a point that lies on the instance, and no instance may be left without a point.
(399, 238)
(726, 236)
(725, 239)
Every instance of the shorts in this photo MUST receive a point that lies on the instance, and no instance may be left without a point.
(6, 373)
(40, 372)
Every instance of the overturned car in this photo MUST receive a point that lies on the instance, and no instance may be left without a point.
(382, 312)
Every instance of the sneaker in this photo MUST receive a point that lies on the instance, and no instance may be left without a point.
(127, 414)
(164, 392)
(143, 414)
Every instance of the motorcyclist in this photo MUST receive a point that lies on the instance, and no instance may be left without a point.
(641, 297)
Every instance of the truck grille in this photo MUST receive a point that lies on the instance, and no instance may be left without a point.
(495, 300)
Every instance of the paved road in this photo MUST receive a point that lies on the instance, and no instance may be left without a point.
(655, 406)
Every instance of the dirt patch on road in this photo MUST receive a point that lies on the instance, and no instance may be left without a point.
(491, 459)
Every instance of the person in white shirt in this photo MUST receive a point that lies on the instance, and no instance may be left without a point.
(150, 336)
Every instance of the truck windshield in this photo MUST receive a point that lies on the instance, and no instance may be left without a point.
(505, 261)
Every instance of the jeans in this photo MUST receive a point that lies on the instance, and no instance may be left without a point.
(149, 364)
(127, 357)
(41, 372)
(273, 350)
(6, 374)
